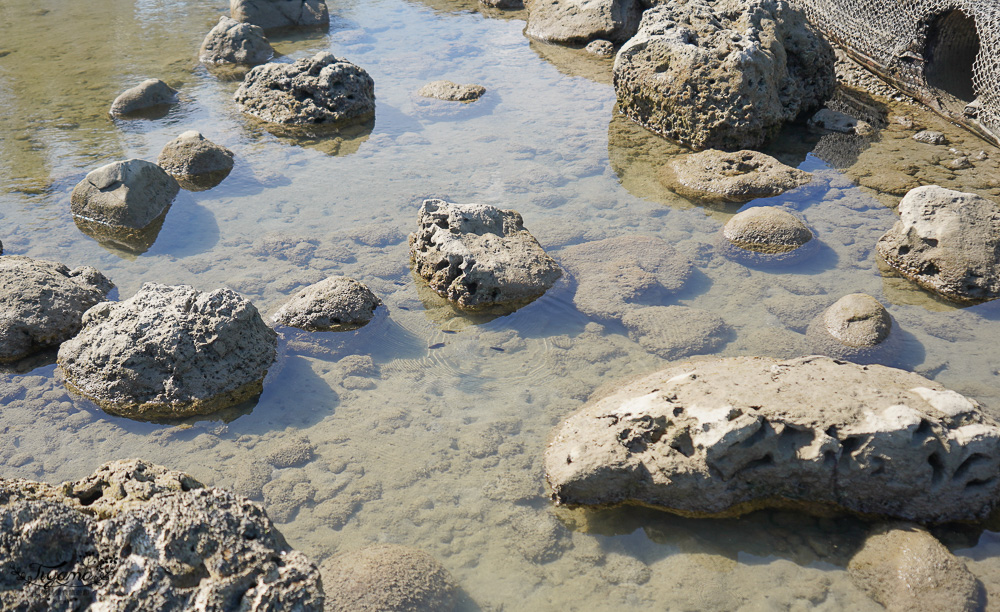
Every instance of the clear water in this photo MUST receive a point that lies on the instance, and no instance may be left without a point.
(440, 446)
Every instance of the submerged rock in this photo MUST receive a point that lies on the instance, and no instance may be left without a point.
(672, 332)
(601, 48)
(232, 42)
(145, 96)
(477, 255)
(169, 351)
(834, 121)
(856, 327)
(337, 303)
(270, 14)
(195, 162)
(767, 230)
(731, 177)
(581, 21)
(728, 436)
(42, 303)
(452, 92)
(126, 194)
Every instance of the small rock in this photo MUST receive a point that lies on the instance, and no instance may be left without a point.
(856, 327)
(387, 578)
(335, 304)
(600, 48)
(573, 22)
(452, 92)
(129, 194)
(269, 14)
(144, 96)
(731, 177)
(507, 5)
(358, 365)
(768, 230)
(290, 453)
(672, 332)
(232, 42)
(834, 121)
(195, 162)
(904, 120)
(251, 476)
(959, 163)
(930, 137)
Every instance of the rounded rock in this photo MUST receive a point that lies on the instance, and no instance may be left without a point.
(233, 42)
(768, 230)
(147, 95)
(125, 194)
(573, 22)
(731, 177)
(270, 14)
(857, 328)
(195, 162)
(452, 92)
(601, 48)
(337, 303)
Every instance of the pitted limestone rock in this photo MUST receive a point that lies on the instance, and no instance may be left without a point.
(337, 303)
(582, 21)
(730, 177)
(270, 14)
(232, 42)
(727, 436)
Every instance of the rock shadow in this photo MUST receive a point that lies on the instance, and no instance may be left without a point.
(575, 61)
(332, 140)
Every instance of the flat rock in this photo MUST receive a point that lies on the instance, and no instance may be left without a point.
(127, 194)
(834, 121)
(672, 332)
(269, 14)
(169, 351)
(337, 303)
(452, 92)
(930, 137)
(581, 21)
(768, 230)
(947, 242)
(740, 176)
(42, 303)
(233, 42)
(727, 436)
(195, 162)
(149, 94)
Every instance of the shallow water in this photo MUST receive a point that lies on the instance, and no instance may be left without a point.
(439, 445)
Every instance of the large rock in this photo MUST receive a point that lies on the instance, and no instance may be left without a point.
(169, 351)
(195, 162)
(948, 242)
(321, 90)
(127, 194)
(768, 231)
(232, 42)
(672, 332)
(717, 176)
(337, 303)
(42, 303)
(150, 95)
(135, 532)
(727, 436)
(478, 256)
(723, 75)
(270, 14)
(580, 21)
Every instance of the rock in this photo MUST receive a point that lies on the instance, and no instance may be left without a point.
(42, 303)
(601, 48)
(619, 274)
(767, 230)
(169, 351)
(232, 42)
(834, 121)
(855, 328)
(947, 242)
(452, 92)
(577, 22)
(511, 5)
(318, 90)
(335, 304)
(291, 453)
(906, 569)
(727, 436)
(959, 163)
(730, 177)
(195, 162)
(930, 137)
(477, 255)
(672, 332)
(145, 96)
(269, 14)
(388, 578)
(127, 194)
(136, 532)
(723, 75)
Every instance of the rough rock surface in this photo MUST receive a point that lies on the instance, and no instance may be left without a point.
(856, 327)
(191, 157)
(136, 532)
(948, 242)
(129, 194)
(478, 255)
(233, 42)
(169, 351)
(906, 569)
(740, 176)
(42, 303)
(673, 332)
(930, 137)
(766, 229)
(452, 92)
(318, 90)
(601, 48)
(270, 14)
(337, 303)
(723, 75)
(150, 93)
(388, 578)
(502, 4)
(619, 274)
(834, 121)
(727, 436)
(581, 21)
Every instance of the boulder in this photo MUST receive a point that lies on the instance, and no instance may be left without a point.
(452, 92)
(126, 194)
(270, 14)
(169, 351)
(233, 42)
(947, 242)
(672, 332)
(150, 95)
(723, 75)
(42, 303)
(765, 233)
(477, 255)
(337, 303)
(723, 437)
(741, 176)
(856, 327)
(577, 22)
(318, 90)
(195, 162)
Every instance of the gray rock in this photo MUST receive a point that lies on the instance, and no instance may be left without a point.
(727, 436)
(723, 75)
(947, 242)
(291, 453)
(233, 42)
(195, 162)
(126, 194)
(388, 578)
(906, 569)
(337, 303)
(321, 90)
(672, 332)
(834, 121)
(930, 137)
(478, 256)
(270, 14)
(768, 230)
(42, 303)
(740, 176)
(581, 21)
(601, 48)
(146, 95)
(507, 5)
(452, 92)
(169, 352)
(856, 327)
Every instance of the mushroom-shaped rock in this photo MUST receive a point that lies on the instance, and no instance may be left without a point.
(947, 242)
(856, 327)
(337, 303)
(270, 14)
(321, 90)
(731, 177)
(767, 232)
(672, 332)
(150, 95)
(195, 162)
(388, 578)
(42, 303)
(128, 194)
(452, 92)
(726, 436)
(581, 21)
(723, 75)
(169, 351)
(477, 255)
(233, 42)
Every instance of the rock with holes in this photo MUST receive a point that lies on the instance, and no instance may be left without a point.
(717, 176)
(722, 74)
(577, 22)
(320, 90)
(857, 328)
(136, 532)
(129, 194)
(478, 256)
(232, 42)
(335, 304)
(947, 242)
(152, 96)
(727, 436)
(269, 14)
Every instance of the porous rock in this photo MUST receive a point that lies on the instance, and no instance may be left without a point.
(291, 453)
(769, 230)
(127, 194)
(727, 436)
(723, 75)
(930, 137)
(42, 303)
(169, 351)
(452, 92)
(269, 14)
(195, 162)
(233, 42)
(601, 48)
(477, 255)
(321, 90)
(947, 242)
(856, 327)
(146, 95)
(740, 176)
(672, 332)
(581, 21)
(337, 303)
